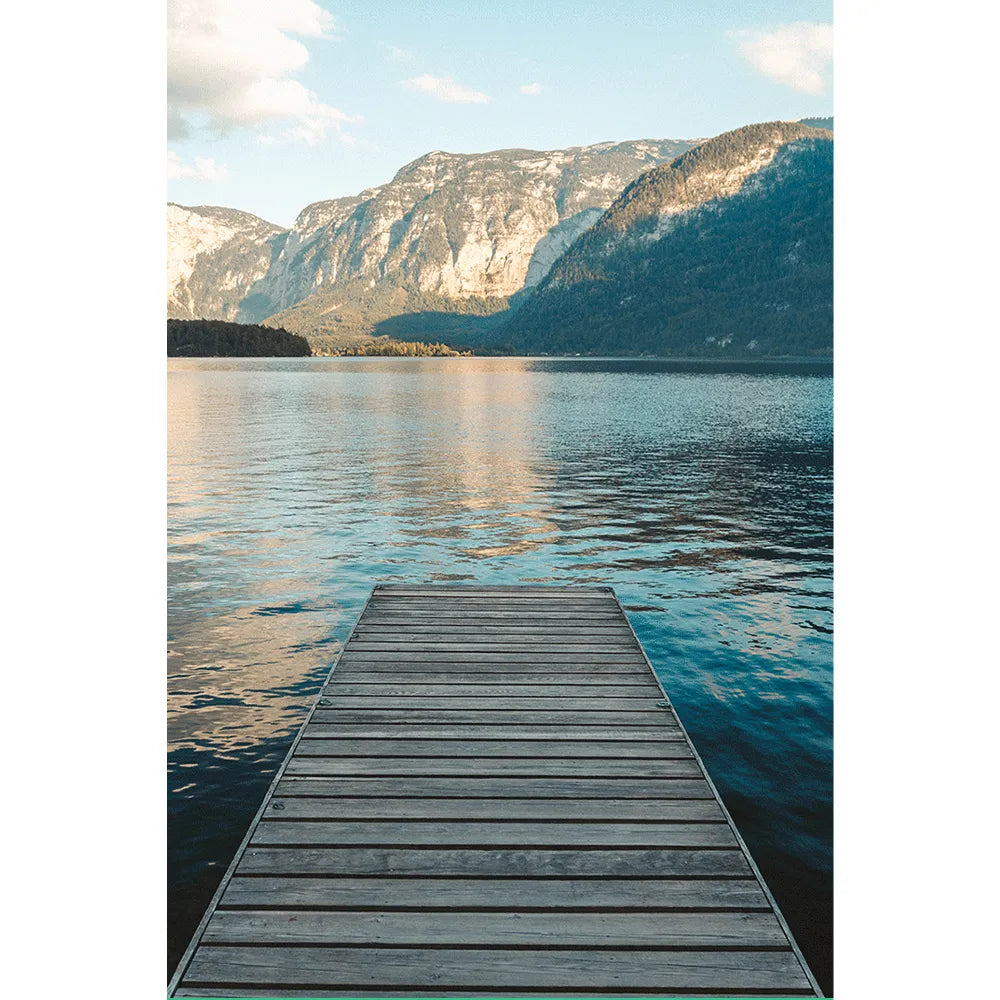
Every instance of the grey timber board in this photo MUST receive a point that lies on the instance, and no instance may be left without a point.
(402, 667)
(570, 681)
(334, 747)
(497, 788)
(444, 596)
(493, 644)
(326, 993)
(520, 630)
(509, 716)
(492, 795)
(401, 601)
(482, 731)
(491, 767)
(458, 927)
(465, 862)
(486, 690)
(604, 702)
(503, 894)
(450, 833)
(497, 969)
(502, 621)
(390, 589)
(499, 810)
(623, 658)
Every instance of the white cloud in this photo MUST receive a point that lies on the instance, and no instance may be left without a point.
(444, 88)
(531, 89)
(797, 55)
(230, 63)
(203, 169)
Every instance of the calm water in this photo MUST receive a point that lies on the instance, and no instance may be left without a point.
(705, 499)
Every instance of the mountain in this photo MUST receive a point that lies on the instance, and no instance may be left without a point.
(214, 256)
(451, 232)
(727, 248)
(638, 247)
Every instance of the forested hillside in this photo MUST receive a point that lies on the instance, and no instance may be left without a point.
(749, 272)
(205, 338)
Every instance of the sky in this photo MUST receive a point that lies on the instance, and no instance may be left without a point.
(274, 104)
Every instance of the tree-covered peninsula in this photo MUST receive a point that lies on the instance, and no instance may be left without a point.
(212, 338)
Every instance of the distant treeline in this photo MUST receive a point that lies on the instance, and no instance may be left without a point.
(397, 349)
(213, 338)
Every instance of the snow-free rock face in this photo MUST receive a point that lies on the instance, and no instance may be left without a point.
(449, 228)
(214, 255)
(456, 225)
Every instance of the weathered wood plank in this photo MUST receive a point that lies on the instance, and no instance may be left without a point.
(538, 677)
(518, 592)
(432, 623)
(497, 969)
(471, 716)
(515, 788)
(620, 750)
(496, 767)
(341, 688)
(524, 862)
(660, 810)
(538, 590)
(621, 658)
(433, 590)
(450, 606)
(496, 644)
(536, 597)
(515, 630)
(493, 617)
(512, 597)
(429, 894)
(328, 993)
(476, 639)
(501, 612)
(402, 668)
(529, 705)
(487, 731)
(465, 928)
(275, 832)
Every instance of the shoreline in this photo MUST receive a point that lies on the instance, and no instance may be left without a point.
(664, 358)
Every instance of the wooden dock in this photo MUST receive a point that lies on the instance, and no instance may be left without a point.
(492, 796)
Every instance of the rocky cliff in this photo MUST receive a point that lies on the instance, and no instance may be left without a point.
(214, 256)
(452, 232)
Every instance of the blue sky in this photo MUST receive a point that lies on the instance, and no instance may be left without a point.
(274, 104)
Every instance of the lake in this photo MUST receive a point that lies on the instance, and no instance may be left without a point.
(704, 496)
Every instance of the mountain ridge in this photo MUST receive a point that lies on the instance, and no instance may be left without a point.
(717, 168)
(743, 266)
(469, 248)
(214, 256)
(466, 230)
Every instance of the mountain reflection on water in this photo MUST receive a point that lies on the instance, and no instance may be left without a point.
(704, 498)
